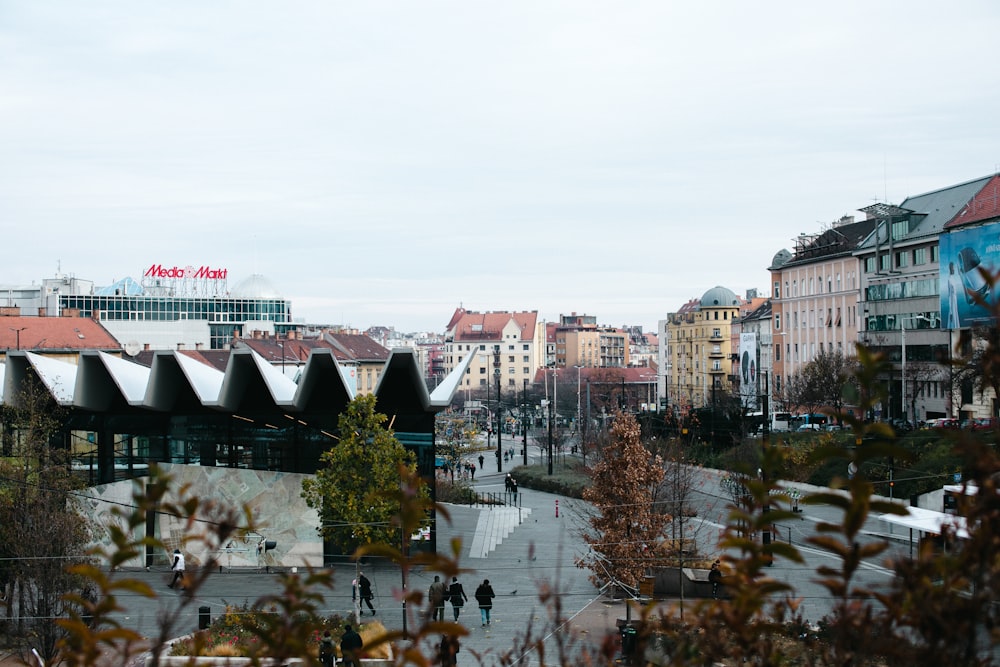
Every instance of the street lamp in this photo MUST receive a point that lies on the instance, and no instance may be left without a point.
(496, 373)
(17, 334)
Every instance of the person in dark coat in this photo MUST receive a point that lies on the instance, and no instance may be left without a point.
(715, 577)
(365, 591)
(484, 596)
(350, 647)
(327, 655)
(448, 651)
(456, 593)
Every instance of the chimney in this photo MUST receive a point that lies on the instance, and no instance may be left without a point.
(41, 311)
(96, 316)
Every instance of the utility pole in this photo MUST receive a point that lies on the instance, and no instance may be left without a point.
(765, 437)
(496, 372)
(524, 422)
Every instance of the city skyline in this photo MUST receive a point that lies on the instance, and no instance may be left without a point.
(386, 163)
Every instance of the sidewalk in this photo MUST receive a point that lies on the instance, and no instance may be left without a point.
(521, 551)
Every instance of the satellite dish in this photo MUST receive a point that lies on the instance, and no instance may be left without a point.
(132, 348)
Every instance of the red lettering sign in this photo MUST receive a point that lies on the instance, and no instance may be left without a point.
(203, 272)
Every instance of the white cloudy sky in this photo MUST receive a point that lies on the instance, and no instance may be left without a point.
(385, 162)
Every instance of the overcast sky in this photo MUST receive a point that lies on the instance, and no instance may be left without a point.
(382, 163)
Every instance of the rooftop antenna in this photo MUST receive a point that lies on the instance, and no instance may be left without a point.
(885, 179)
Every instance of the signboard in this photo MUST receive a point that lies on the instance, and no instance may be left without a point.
(749, 360)
(965, 294)
(167, 280)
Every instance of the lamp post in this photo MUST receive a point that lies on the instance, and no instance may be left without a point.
(524, 422)
(496, 373)
(17, 334)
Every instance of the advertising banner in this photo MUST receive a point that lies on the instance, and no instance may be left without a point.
(749, 370)
(964, 254)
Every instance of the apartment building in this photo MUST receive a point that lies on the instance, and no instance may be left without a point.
(901, 298)
(581, 342)
(696, 348)
(509, 343)
(815, 298)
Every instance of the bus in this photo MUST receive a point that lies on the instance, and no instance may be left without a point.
(781, 422)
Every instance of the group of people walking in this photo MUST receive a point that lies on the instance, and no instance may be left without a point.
(439, 593)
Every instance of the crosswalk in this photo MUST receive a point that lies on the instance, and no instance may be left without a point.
(494, 524)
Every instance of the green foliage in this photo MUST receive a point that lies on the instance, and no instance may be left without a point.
(345, 491)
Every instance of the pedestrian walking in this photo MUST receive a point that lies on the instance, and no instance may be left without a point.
(507, 483)
(472, 471)
(365, 592)
(436, 595)
(715, 577)
(448, 651)
(327, 655)
(350, 647)
(456, 593)
(481, 461)
(484, 597)
(177, 567)
(513, 486)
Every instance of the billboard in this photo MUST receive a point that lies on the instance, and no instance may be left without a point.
(963, 255)
(749, 370)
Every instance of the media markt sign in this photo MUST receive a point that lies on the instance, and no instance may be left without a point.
(185, 281)
(188, 272)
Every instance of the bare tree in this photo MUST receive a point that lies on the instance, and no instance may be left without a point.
(822, 383)
(42, 527)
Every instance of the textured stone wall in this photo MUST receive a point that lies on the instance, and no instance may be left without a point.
(272, 498)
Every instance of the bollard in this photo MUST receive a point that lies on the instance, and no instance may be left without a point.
(557, 508)
(204, 618)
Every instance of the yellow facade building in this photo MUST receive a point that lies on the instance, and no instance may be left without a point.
(697, 346)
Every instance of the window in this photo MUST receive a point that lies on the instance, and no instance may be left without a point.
(510, 359)
(869, 265)
(919, 256)
(884, 262)
(777, 353)
(934, 253)
(838, 282)
(777, 289)
(777, 321)
(819, 284)
(796, 352)
(777, 383)
(900, 229)
(525, 359)
(795, 288)
(902, 259)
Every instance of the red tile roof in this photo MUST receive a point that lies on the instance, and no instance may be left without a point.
(471, 326)
(55, 334)
(985, 205)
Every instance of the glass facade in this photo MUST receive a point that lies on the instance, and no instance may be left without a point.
(221, 313)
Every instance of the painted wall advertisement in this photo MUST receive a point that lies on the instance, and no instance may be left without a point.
(965, 295)
(749, 370)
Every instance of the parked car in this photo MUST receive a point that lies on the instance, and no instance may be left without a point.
(943, 423)
(808, 427)
(985, 424)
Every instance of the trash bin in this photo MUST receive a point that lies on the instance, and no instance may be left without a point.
(204, 617)
(629, 644)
